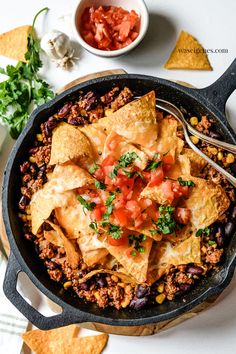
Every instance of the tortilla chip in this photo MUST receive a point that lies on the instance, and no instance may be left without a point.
(91, 248)
(136, 266)
(197, 163)
(72, 254)
(136, 121)
(181, 167)
(123, 277)
(164, 254)
(14, 44)
(86, 345)
(207, 202)
(122, 147)
(181, 235)
(70, 144)
(53, 237)
(96, 137)
(43, 202)
(51, 341)
(188, 54)
(167, 142)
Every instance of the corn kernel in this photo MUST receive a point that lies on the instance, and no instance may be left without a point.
(28, 217)
(39, 137)
(108, 112)
(193, 120)
(67, 284)
(160, 298)
(194, 139)
(125, 302)
(230, 158)
(32, 159)
(220, 156)
(115, 278)
(160, 288)
(122, 285)
(96, 294)
(212, 150)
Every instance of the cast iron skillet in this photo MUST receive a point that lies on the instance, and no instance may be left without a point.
(210, 100)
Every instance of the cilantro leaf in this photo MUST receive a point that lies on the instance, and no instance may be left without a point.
(114, 172)
(114, 231)
(185, 183)
(128, 158)
(136, 241)
(85, 204)
(23, 89)
(94, 226)
(166, 223)
(203, 232)
(112, 196)
(93, 168)
(100, 185)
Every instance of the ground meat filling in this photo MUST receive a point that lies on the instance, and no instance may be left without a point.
(105, 289)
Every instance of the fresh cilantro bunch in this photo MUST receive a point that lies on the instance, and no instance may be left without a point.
(23, 89)
(166, 222)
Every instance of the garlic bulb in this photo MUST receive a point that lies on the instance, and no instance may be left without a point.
(58, 47)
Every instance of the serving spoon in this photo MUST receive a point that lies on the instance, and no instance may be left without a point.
(173, 110)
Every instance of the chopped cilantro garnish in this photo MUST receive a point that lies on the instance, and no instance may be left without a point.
(211, 242)
(114, 172)
(128, 158)
(100, 185)
(93, 168)
(85, 204)
(153, 165)
(94, 226)
(166, 223)
(131, 174)
(136, 241)
(185, 183)
(154, 232)
(133, 253)
(110, 199)
(114, 231)
(203, 232)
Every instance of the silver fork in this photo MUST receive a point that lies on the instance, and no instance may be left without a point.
(173, 110)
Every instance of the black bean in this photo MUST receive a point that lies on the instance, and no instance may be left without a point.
(77, 121)
(230, 228)
(215, 135)
(183, 289)
(194, 270)
(64, 110)
(23, 202)
(137, 303)
(81, 273)
(24, 167)
(50, 125)
(233, 213)
(142, 291)
(101, 282)
(89, 100)
(84, 286)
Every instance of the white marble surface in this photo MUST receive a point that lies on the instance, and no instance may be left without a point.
(213, 23)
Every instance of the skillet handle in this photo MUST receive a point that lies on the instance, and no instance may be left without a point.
(36, 318)
(219, 92)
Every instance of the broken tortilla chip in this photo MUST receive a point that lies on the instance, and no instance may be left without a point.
(188, 54)
(96, 137)
(53, 237)
(14, 43)
(207, 202)
(72, 254)
(91, 248)
(122, 146)
(136, 121)
(86, 345)
(51, 341)
(164, 254)
(197, 163)
(123, 277)
(70, 144)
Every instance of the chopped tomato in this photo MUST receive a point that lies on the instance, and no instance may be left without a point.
(134, 208)
(98, 212)
(153, 212)
(119, 201)
(182, 215)
(125, 184)
(145, 203)
(167, 190)
(121, 216)
(109, 27)
(99, 174)
(117, 242)
(179, 191)
(139, 220)
(168, 159)
(157, 177)
(108, 161)
(130, 252)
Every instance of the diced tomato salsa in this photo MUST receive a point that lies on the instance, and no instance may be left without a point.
(109, 27)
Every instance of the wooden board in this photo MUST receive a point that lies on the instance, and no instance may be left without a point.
(145, 330)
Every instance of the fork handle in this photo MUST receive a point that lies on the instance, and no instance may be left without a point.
(221, 144)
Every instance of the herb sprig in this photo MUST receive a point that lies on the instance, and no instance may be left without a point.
(86, 205)
(166, 222)
(136, 242)
(23, 88)
(185, 183)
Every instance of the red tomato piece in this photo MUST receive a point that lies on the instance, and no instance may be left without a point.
(98, 212)
(108, 161)
(119, 242)
(157, 177)
(179, 191)
(167, 190)
(168, 159)
(130, 252)
(134, 208)
(121, 216)
(99, 174)
(182, 215)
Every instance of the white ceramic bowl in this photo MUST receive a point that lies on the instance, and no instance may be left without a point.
(138, 5)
